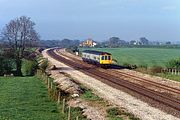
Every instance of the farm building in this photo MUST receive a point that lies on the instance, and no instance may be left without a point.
(88, 43)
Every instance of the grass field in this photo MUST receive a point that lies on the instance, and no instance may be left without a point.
(142, 56)
(25, 98)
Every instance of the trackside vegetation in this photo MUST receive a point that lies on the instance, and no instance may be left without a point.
(112, 113)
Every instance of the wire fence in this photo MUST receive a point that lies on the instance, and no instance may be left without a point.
(56, 94)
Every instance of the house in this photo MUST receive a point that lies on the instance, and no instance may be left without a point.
(88, 43)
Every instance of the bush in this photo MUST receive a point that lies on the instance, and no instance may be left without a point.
(143, 66)
(130, 66)
(174, 63)
(29, 67)
(112, 111)
(156, 69)
(43, 64)
(114, 60)
(6, 65)
(88, 95)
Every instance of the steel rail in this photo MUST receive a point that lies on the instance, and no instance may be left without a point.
(168, 101)
(140, 79)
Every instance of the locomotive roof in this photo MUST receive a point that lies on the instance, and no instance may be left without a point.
(96, 52)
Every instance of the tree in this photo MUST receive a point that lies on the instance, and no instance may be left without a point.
(168, 43)
(144, 41)
(114, 41)
(132, 42)
(6, 63)
(20, 34)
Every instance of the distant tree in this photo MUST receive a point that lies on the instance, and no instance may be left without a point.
(168, 43)
(113, 42)
(66, 43)
(20, 34)
(144, 41)
(132, 42)
(116, 42)
(122, 42)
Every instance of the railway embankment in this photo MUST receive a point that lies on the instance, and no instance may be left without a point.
(112, 95)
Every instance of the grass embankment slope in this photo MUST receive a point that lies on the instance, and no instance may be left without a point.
(25, 98)
(142, 56)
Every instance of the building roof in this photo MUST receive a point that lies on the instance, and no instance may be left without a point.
(96, 52)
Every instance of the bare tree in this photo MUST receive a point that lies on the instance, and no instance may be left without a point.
(20, 34)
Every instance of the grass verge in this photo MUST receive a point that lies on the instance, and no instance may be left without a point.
(170, 76)
(26, 98)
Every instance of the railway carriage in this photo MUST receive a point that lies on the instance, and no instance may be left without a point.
(103, 59)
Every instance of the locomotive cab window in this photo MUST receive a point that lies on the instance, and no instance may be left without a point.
(102, 58)
(105, 57)
(109, 57)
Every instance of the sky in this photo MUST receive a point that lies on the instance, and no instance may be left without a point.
(157, 20)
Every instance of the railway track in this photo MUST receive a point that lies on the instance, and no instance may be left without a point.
(173, 90)
(156, 84)
(113, 80)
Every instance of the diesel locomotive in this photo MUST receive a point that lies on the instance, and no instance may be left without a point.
(103, 59)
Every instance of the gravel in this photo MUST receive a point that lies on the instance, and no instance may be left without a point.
(117, 97)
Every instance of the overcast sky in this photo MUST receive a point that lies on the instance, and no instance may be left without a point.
(157, 20)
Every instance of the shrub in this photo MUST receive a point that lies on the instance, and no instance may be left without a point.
(29, 67)
(174, 63)
(114, 60)
(156, 69)
(43, 64)
(125, 64)
(143, 66)
(6, 65)
(88, 95)
(130, 66)
(113, 111)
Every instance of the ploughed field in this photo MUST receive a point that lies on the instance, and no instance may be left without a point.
(141, 56)
(25, 98)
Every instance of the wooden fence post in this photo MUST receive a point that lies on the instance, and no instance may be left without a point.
(172, 72)
(51, 85)
(59, 97)
(169, 70)
(48, 83)
(44, 76)
(69, 113)
(63, 107)
(47, 80)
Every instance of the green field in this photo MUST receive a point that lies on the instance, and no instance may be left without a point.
(142, 56)
(25, 98)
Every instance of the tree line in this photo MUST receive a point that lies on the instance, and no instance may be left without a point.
(112, 42)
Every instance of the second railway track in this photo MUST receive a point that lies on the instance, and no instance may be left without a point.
(114, 80)
(140, 79)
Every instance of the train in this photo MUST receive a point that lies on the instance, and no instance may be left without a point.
(99, 58)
